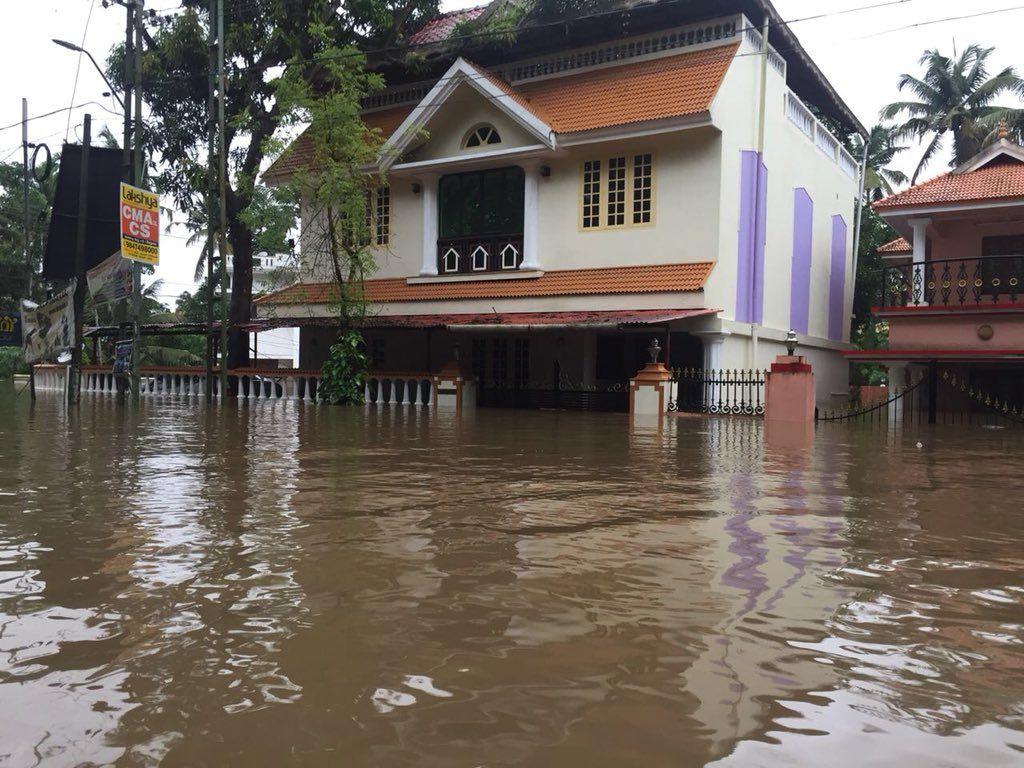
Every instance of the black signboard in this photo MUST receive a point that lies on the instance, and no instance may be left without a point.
(103, 222)
(10, 329)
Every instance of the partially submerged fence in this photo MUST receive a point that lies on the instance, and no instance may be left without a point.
(938, 397)
(725, 392)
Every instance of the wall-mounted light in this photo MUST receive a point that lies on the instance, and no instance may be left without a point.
(545, 171)
(416, 188)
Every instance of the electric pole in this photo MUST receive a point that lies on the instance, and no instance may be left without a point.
(28, 227)
(75, 373)
(137, 175)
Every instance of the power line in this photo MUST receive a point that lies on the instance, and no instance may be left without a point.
(63, 109)
(78, 67)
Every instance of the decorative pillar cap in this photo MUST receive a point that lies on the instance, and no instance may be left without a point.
(791, 342)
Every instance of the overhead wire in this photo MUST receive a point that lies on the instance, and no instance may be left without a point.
(78, 66)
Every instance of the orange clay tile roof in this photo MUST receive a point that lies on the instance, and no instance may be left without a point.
(899, 245)
(299, 153)
(672, 86)
(656, 278)
(441, 28)
(998, 181)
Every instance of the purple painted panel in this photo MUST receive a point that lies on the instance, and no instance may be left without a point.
(745, 244)
(837, 280)
(750, 244)
(800, 278)
(759, 242)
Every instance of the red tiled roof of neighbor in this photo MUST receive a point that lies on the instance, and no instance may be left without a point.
(655, 278)
(299, 153)
(438, 29)
(999, 181)
(899, 245)
(671, 86)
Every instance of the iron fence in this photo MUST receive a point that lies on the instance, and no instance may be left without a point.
(954, 282)
(726, 392)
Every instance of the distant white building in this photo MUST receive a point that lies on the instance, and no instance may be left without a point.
(270, 272)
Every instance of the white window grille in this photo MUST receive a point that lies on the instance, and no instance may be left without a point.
(509, 257)
(451, 260)
(479, 258)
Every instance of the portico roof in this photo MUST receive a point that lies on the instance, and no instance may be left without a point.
(652, 278)
(500, 320)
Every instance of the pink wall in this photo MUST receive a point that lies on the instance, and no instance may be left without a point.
(962, 239)
(956, 331)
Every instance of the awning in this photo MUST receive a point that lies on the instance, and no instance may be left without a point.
(498, 320)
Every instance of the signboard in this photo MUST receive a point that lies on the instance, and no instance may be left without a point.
(10, 329)
(110, 280)
(123, 358)
(49, 328)
(140, 225)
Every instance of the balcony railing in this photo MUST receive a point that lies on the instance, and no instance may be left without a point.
(482, 253)
(954, 282)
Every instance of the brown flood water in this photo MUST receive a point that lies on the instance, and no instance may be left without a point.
(279, 585)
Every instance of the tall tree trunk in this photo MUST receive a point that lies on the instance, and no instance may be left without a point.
(240, 309)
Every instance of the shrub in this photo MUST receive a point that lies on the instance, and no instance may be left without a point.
(344, 372)
(11, 362)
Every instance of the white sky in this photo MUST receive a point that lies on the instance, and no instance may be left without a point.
(862, 53)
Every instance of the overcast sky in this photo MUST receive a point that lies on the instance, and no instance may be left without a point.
(861, 52)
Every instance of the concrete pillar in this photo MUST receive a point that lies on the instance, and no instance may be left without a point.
(650, 389)
(714, 345)
(531, 214)
(918, 287)
(789, 391)
(428, 194)
(452, 390)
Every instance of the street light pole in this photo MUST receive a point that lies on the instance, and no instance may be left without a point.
(137, 174)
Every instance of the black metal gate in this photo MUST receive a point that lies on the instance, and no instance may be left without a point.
(731, 393)
(941, 396)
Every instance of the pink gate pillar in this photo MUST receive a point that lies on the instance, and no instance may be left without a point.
(789, 390)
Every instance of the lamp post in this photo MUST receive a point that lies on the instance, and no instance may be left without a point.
(79, 49)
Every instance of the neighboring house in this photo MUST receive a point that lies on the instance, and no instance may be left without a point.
(552, 213)
(953, 293)
(276, 347)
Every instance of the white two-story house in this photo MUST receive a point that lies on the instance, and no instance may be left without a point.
(550, 214)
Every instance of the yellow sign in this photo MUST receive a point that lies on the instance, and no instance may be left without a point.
(140, 225)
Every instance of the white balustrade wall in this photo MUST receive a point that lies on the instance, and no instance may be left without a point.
(399, 389)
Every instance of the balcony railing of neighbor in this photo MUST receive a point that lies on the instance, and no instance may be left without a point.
(482, 253)
(954, 282)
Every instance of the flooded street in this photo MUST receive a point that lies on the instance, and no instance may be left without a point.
(279, 585)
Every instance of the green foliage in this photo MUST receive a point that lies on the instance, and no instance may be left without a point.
(869, 332)
(266, 42)
(11, 362)
(882, 146)
(344, 372)
(12, 231)
(954, 96)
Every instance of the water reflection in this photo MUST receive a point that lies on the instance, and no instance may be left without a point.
(280, 585)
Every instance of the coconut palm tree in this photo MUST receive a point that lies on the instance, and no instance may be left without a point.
(954, 96)
(879, 179)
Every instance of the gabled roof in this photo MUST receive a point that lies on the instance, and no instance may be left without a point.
(897, 247)
(462, 73)
(996, 182)
(677, 86)
(654, 278)
(1002, 150)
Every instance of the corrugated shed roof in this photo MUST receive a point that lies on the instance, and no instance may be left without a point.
(654, 278)
(999, 181)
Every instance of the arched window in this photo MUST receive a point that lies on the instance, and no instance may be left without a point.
(481, 136)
